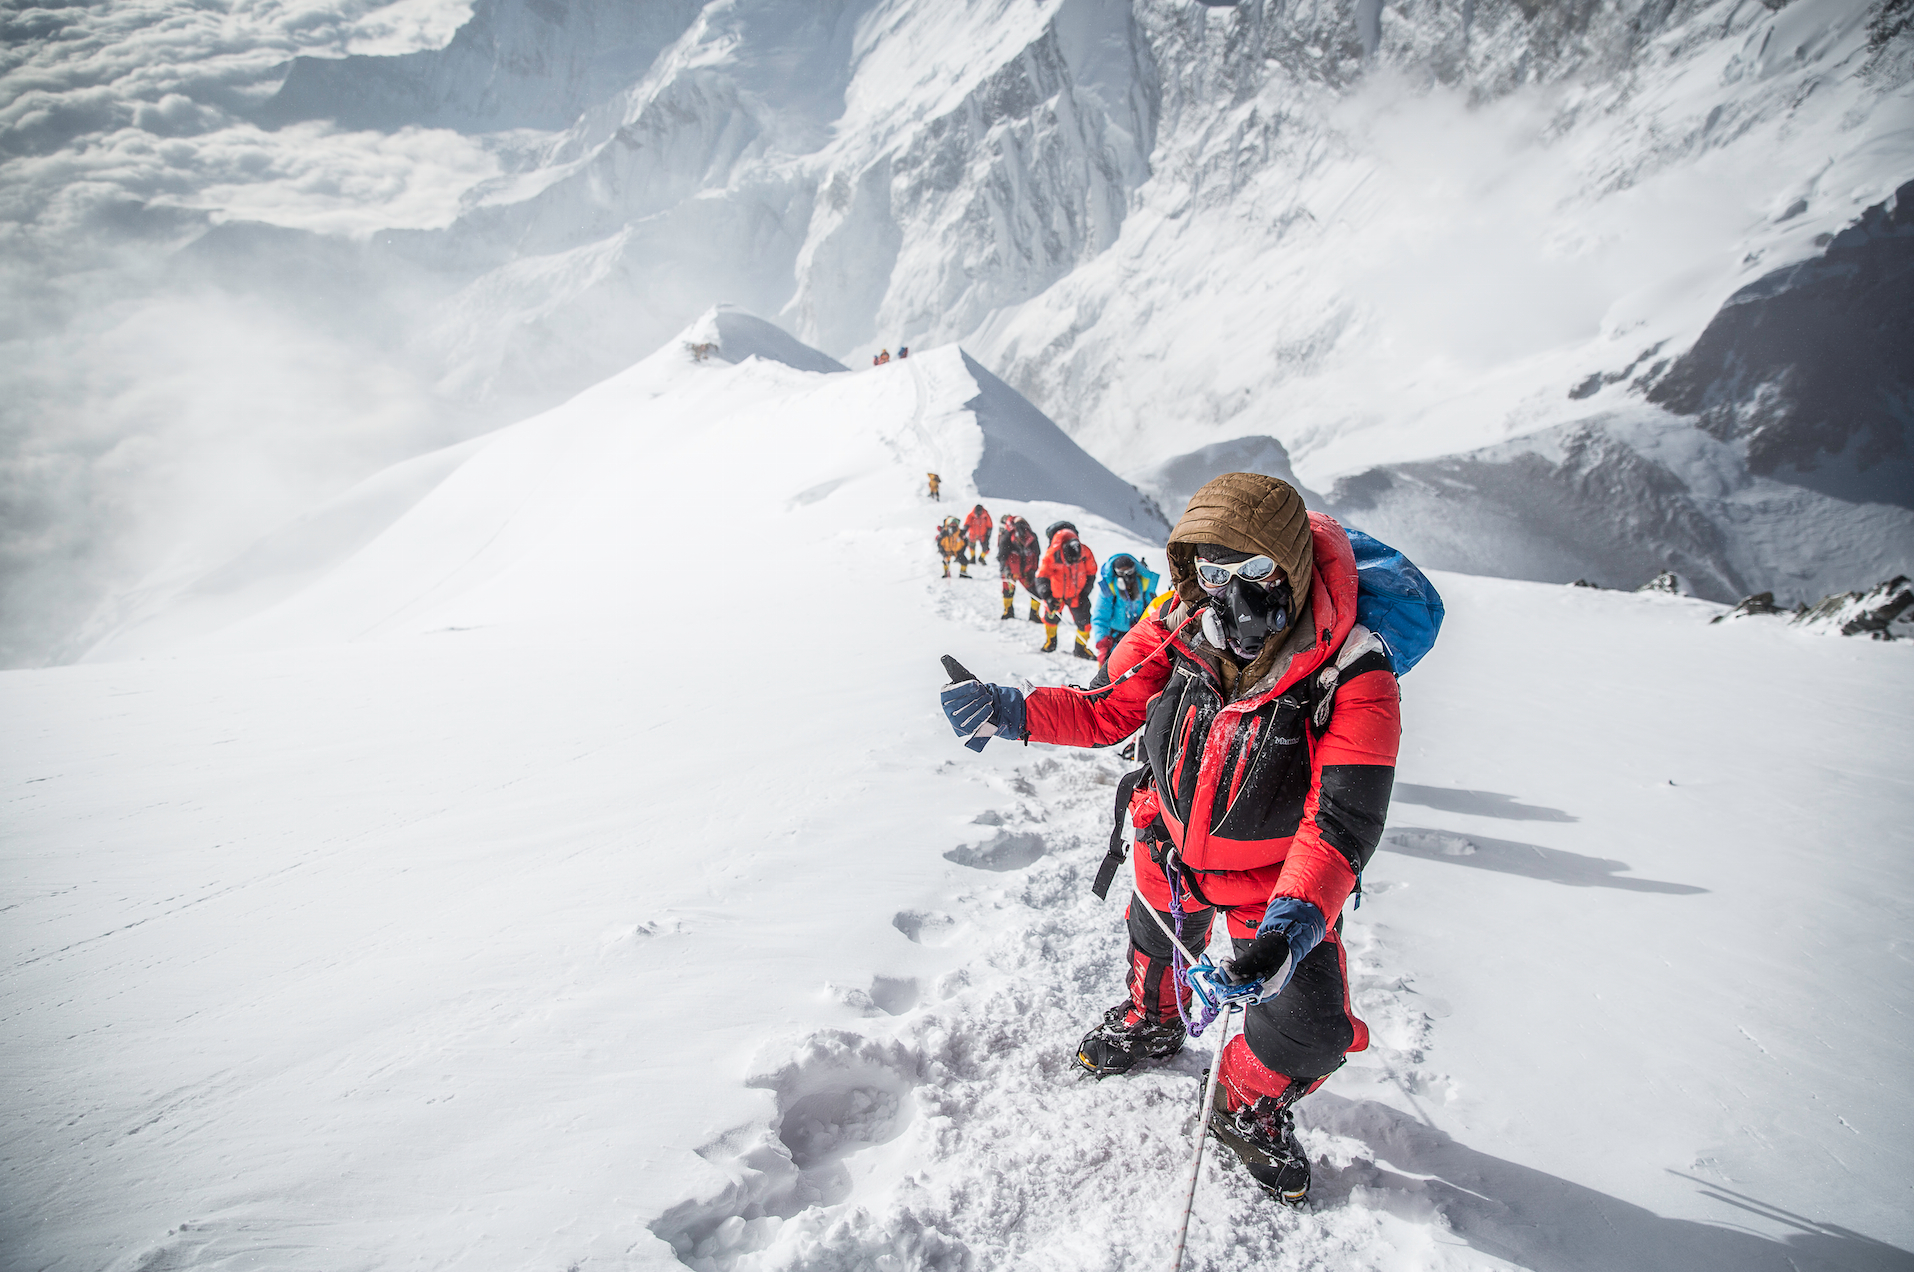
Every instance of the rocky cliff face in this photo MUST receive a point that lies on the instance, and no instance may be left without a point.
(1812, 366)
(873, 173)
(1503, 275)
(1391, 237)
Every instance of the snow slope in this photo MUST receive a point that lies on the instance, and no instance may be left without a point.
(393, 550)
(580, 874)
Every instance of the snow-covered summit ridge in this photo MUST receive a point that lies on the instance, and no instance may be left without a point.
(732, 335)
(1026, 456)
(734, 423)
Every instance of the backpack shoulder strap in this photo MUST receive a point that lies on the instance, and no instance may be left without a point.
(1116, 856)
(1363, 651)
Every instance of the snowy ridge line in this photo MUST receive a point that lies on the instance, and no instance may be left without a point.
(960, 421)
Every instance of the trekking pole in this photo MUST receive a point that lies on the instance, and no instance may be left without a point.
(1202, 1135)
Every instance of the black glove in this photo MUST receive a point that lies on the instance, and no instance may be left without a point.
(1265, 954)
(1291, 927)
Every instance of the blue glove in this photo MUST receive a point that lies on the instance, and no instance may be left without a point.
(981, 712)
(1290, 929)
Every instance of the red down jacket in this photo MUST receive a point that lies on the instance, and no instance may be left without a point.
(1067, 581)
(1246, 787)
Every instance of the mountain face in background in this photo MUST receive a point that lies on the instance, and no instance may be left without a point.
(1536, 290)
(1379, 233)
(1815, 363)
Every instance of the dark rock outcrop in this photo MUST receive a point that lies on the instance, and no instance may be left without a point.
(1575, 502)
(1759, 603)
(1813, 365)
(1869, 613)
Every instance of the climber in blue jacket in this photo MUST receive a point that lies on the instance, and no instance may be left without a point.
(1125, 588)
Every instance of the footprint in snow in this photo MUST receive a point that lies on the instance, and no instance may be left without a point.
(926, 927)
(1008, 850)
(837, 1096)
(890, 995)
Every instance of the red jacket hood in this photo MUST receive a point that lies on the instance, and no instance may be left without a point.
(1332, 592)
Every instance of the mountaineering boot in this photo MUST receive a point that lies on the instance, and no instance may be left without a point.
(1049, 639)
(1264, 1136)
(946, 569)
(963, 570)
(1116, 1045)
(1008, 607)
(1035, 615)
(1082, 649)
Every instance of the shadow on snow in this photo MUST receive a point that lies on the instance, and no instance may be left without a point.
(1549, 1224)
(1508, 856)
(1476, 803)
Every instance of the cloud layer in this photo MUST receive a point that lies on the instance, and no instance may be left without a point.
(156, 411)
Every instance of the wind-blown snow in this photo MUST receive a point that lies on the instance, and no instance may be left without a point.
(581, 874)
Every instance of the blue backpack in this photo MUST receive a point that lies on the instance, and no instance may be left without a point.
(1396, 601)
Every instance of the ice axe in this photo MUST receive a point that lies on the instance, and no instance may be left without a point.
(958, 674)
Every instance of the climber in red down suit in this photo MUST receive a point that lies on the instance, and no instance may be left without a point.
(1271, 740)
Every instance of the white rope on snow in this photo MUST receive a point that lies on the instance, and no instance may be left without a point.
(1202, 1134)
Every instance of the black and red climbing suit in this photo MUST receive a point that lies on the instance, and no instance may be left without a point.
(1018, 553)
(1262, 783)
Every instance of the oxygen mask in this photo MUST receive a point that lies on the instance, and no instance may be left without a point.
(1242, 614)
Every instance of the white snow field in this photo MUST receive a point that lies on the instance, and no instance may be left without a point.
(562, 863)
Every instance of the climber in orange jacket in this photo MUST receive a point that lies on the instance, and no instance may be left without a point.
(1064, 579)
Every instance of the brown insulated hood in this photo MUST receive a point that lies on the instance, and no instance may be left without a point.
(1250, 513)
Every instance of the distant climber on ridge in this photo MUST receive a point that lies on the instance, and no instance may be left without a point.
(1064, 578)
(903, 351)
(1126, 588)
(1017, 555)
(977, 531)
(1237, 811)
(936, 484)
(950, 542)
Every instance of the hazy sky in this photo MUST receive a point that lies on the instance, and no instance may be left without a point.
(149, 418)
